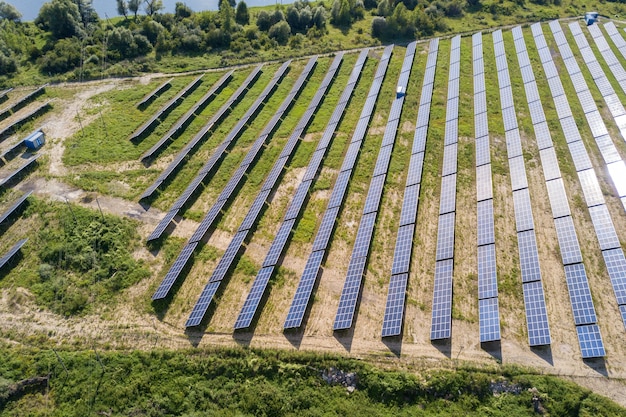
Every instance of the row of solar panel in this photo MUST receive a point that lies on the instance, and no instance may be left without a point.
(14, 206)
(22, 102)
(165, 109)
(200, 308)
(178, 159)
(148, 98)
(8, 180)
(185, 119)
(250, 218)
(11, 252)
(245, 165)
(394, 307)
(257, 291)
(9, 130)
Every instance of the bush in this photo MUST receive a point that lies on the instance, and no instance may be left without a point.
(64, 57)
(8, 65)
(280, 32)
(242, 16)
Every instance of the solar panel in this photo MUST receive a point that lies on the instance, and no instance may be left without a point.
(550, 164)
(480, 103)
(351, 155)
(536, 314)
(449, 160)
(591, 188)
(578, 80)
(276, 249)
(16, 204)
(503, 78)
(448, 194)
(558, 198)
(607, 149)
(452, 110)
(441, 324)
(489, 320)
(596, 124)
(556, 87)
(207, 222)
(478, 68)
(570, 130)
(303, 293)
(339, 189)
(528, 76)
(590, 341)
(414, 174)
(568, 242)
(529, 259)
(506, 97)
(246, 315)
(364, 236)
(382, 163)
(487, 272)
(549, 69)
(423, 115)
(254, 210)
(509, 118)
(374, 194)
(580, 294)
(501, 64)
(419, 139)
(518, 173)
(326, 228)
(482, 151)
(479, 84)
(484, 186)
(394, 113)
(617, 172)
(523, 60)
(227, 259)
(614, 104)
(12, 252)
(409, 204)
(349, 294)
(402, 252)
(172, 275)
(427, 92)
(202, 305)
(562, 106)
(616, 267)
(272, 177)
(160, 228)
(532, 94)
(579, 155)
(481, 128)
(445, 237)
(394, 308)
(5, 182)
(452, 133)
(486, 232)
(536, 112)
(523, 210)
(513, 143)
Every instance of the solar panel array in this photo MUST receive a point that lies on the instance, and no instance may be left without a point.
(310, 274)
(154, 93)
(534, 300)
(600, 217)
(6, 181)
(16, 204)
(185, 119)
(165, 110)
(394, 307)
(575, 273)
(615, 165)
(441, 321)
(360, 251)
(244, 167)
(4, 95)
(615, 36)
(9, 130)
(488, 309)
(609, 57)
(225, 263)
(22, 102)
(277, 247)
(12, 252)
(178, 159)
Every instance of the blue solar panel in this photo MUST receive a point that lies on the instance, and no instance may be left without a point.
(441, 324)
(503, 78)
(303, 292)
(489, 320)
(452, 111)
(16, 204)
(617, 172)
(481, 127)
(175, 270)
(536, 112)
(409, 205)
(501, 63)
(349, 294)
(480, 103)
(580, 294)
(295, 206)
(487, 272)
(528, 256)
(207, 222)
(402, 252)
(478, 69)
(484, 186)
(523, 60)
(202, 305)
(351, 155)
(364, 235)
(448, 194)
(550, 164)
(506, 97)
(568, 241)
(382, 163)
(449, 160)
(528, 76)
(591, 188)
(518, 173)
(272, 177)
(590, 341)
(254, 210)
(276, 249)
(542, 133)
(570, 130)
(607, 149)
(513, 143)
(536, 314)
(579, 155)
(452, 133)
(416, 165)
(558, 198)
(616, 267)
(523, 210)
(482, 151)
(374, 194)
(246, 315)
(596, 124)
(227, 259)
(445, 237)
(394, 308)
(160, 228)
(486, 233)
(603, 225)
(509, 118)
(479, 84)
(12, 252)
(419, 139)
(423, 115)
(339, 189)
(532, 94)
(562, 106)
(580, 84)
(326, 227)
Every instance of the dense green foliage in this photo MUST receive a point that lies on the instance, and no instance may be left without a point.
(270, 383)
(81, 256)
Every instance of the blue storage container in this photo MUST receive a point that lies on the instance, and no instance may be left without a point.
(35, 140)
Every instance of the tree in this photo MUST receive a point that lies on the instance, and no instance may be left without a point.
(122, 8)
(86, 11)
(226, 14)
(9, 12)
(181, 10)
(153, 6)
(133, 6)
(263, 21)
(340, 13)
(379, 27)
(60, 17)
(242, 16)
(280, 32)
